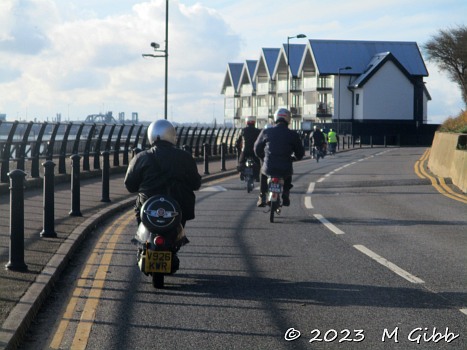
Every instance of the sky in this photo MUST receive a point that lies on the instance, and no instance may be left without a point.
(82, 57)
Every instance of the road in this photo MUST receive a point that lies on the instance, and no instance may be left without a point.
(368, 256)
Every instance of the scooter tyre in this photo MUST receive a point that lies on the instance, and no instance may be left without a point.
(273, 211)
(158, 280)
(250, 184)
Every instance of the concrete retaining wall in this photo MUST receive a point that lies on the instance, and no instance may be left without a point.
(447, 161)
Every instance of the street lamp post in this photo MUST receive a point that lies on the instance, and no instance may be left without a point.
(339, 97)
(299, 36)
(166, 54)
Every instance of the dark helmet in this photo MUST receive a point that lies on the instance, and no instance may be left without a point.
(162, 130)
(282, 114)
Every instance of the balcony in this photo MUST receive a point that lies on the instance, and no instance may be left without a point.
(296, 112)
(296, 85)
(323, 110)
(272, 87)
(324, 83)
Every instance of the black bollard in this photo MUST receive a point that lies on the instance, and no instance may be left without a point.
(105, 176)
(75, 186)
(223, 154)
(16, 262)
(49, 200)
(206, 159)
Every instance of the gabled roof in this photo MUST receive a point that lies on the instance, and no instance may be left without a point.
(296, 53)
(232, 76)
(250, 67)
(375, 64)
(270, 58)
(330, 55)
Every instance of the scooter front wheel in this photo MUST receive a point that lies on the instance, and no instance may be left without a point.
(250, 184)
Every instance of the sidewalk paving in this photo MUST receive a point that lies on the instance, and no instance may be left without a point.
(22, 293)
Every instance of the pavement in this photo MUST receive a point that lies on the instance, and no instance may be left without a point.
(23, 293)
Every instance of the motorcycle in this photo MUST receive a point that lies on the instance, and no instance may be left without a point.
(248, 174)
(159, 237)
(274, 198)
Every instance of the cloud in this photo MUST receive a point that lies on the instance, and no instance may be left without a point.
(83, 55)
(8, 74)
(24, 25)
(84, 61)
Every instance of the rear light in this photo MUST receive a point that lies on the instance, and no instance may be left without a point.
(159, 241)
(275, 180)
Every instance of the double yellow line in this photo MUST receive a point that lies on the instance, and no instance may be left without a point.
(95, 271)
(437, 182)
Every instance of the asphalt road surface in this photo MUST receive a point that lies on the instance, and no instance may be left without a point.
(368, 256)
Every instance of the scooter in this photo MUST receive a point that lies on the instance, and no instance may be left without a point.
(275, 185)
(159, 237)
(248, 174)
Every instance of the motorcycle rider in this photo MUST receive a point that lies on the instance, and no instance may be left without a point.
(275, 147)
(245, 143)
(332, 141)
(316, 140)
(164, 169)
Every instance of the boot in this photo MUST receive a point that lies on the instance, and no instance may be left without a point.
(261, 200)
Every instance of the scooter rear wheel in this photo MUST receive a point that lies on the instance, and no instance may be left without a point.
(273, 211)
(158, 280)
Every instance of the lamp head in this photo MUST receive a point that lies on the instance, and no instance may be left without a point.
(155, 45)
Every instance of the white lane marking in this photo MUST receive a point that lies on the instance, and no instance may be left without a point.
(213, 189)
(394, 268)
(321, 180)
(464, 311)
(311, 188)
(330, 226)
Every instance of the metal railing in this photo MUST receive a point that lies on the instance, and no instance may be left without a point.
(23, 145)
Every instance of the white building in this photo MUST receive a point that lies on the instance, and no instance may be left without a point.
(328, 81)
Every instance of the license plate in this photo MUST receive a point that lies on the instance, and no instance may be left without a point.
(158, 261)
(276, 188)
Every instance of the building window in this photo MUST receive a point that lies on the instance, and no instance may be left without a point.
(357, 99)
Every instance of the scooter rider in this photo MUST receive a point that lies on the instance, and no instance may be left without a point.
(164, 169)
(316, 140)
(275, 146)
(245, 143)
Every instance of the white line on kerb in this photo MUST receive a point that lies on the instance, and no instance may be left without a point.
(394, 268)
(330, 226)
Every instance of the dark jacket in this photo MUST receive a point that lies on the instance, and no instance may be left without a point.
(164, 169)
(246, 140)
(276, 146)
(317, 138)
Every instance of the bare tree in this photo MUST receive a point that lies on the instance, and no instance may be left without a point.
(448, 49)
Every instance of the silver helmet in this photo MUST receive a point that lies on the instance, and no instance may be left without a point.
(162, 130)
(282, 114)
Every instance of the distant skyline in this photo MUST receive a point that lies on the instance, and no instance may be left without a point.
(85, 57)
